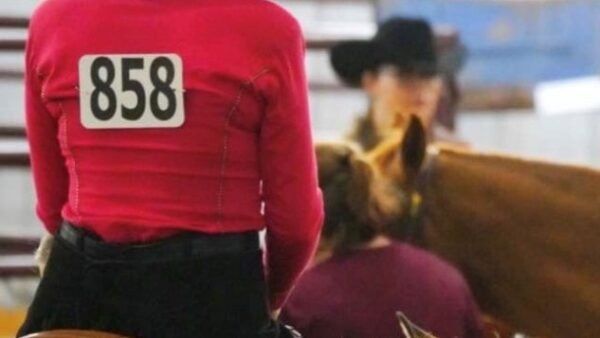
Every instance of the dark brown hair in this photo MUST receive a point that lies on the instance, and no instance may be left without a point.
(357, 208)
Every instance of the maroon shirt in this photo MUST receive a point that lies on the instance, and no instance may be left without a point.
(357, 295)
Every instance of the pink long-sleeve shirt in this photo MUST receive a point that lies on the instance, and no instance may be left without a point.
(243, 158)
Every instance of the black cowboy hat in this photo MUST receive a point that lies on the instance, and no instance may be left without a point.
(406, 43)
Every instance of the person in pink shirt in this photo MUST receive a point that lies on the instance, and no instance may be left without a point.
(164, 135)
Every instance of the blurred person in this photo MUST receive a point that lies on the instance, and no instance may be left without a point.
(402, 74)
(452, 57)
(363, 277)
(164, 135)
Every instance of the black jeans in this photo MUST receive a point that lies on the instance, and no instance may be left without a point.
(216, 296)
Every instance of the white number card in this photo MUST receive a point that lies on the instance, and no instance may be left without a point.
(131, 91)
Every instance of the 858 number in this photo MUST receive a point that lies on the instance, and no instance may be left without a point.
(161, 86)
(131, 91)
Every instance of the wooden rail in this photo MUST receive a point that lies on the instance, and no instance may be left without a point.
(14, 22)
(14, 156)
(334, 1)
(12, 74)
(443, 40)
(12, 132)
(13, 153)
(12, 45)
(18, 245)
(16, 257)
(14, 160)
(19, 271)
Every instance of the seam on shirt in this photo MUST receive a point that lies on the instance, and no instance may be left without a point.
(65, 137)
(225, 148)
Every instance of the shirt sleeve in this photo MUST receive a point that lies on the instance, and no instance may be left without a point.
(47, 163)
(293, 202)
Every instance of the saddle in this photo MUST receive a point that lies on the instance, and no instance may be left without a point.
(72, 334)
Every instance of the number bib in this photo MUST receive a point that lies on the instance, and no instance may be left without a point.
(131, 91)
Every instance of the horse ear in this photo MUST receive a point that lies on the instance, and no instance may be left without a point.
(413, 147)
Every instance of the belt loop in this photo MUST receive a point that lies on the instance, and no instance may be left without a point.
(79, 238)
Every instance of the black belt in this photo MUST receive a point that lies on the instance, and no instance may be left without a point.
(181, 246)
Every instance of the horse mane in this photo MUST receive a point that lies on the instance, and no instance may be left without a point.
(526, 235)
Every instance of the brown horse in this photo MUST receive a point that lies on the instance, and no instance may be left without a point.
(525, 233)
